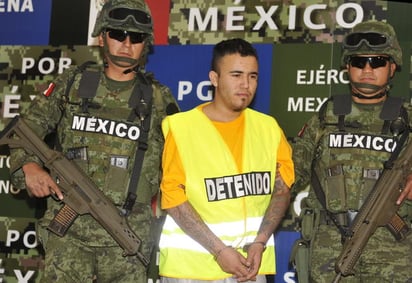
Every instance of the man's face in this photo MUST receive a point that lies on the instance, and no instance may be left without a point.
(122, 44)
(235, 81)
(370, 69)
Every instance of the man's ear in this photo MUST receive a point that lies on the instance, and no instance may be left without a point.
(213, 76)
(393, 69)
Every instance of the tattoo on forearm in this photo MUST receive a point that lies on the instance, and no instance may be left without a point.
(277, 208)
(190, 222)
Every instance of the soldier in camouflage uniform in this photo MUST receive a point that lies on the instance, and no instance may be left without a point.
(121, 107)
(347, 144)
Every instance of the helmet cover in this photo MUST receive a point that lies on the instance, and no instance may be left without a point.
(386, 44)
(129, 15)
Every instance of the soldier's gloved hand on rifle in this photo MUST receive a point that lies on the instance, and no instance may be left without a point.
(407, 191)
(39, 182)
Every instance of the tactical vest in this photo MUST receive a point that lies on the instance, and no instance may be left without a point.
(354, 142)
(114, 128)
(231, 203)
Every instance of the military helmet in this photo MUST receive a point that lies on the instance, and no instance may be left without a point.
(372, 37)
(129, 15)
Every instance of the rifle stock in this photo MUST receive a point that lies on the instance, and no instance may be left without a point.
(379, 209)
(81, 195)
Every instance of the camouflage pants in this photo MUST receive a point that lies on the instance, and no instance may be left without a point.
(383, 260)
(68, 260)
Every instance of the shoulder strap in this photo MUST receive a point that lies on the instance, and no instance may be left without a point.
(141, 99)
(337, 110)
(88, 85)
(78, 70)
(342, 106)
(391, 110)
(141, 103)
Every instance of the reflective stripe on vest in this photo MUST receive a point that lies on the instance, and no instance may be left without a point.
(235, 218)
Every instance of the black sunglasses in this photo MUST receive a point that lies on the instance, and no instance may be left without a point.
(373, 40)
(121, 14)
(374, 62)
(121, 35)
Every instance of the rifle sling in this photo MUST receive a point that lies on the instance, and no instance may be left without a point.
(141, 104)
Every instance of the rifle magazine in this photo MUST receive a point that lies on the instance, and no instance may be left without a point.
(398, 227)
(63, 220)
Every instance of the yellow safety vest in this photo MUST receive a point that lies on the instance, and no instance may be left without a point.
(231, 203)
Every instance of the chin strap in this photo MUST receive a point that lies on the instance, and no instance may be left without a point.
(370, 88)
(134, 69)
(120, 61)
(373, 89)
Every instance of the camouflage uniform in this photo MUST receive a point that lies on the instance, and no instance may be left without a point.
(87, 252)
(346, 175)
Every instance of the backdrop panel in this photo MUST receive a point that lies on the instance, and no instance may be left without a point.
(299, 53)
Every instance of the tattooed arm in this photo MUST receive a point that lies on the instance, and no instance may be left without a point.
(228, 258)
(275, 212)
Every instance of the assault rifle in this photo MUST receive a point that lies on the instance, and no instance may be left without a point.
(81, 195)
(379, 209)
